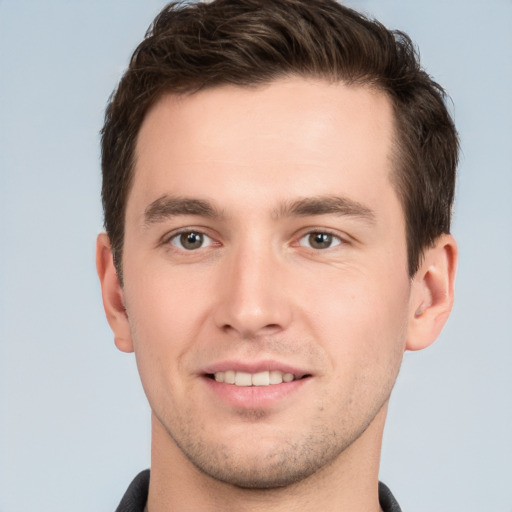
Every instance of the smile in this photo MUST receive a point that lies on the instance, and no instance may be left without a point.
(259, 385)
(265, 378)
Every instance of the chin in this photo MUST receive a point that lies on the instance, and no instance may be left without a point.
(260, 475)
(265, 465)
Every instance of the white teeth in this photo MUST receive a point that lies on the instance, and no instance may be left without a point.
(243, 379)
(276, 377)
(261, 379)
(253, 379)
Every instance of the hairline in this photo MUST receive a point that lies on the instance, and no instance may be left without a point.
(396, 154)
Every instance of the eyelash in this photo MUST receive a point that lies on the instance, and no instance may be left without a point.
(336, 239)
(176, 236)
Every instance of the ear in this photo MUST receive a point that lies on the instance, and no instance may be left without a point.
(432, 293)
(113, 295)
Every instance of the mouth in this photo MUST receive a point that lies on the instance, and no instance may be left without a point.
(259, 379)
(264, 385)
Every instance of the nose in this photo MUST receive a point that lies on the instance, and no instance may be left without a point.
(253, 300)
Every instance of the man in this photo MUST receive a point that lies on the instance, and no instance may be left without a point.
(277, 184)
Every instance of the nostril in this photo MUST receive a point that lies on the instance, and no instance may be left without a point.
(249, 332)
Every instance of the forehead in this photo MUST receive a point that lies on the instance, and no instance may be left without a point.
(292, 137)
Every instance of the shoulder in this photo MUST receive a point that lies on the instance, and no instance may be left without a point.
(135, 497)
(387, 500)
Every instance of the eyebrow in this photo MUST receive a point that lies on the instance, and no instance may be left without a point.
(326, 205)
(170, 206)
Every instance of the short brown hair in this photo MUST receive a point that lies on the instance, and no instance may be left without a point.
(191, 47)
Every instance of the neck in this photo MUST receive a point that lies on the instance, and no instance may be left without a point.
(350, 482)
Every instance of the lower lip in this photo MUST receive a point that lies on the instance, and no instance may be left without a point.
(254, 397)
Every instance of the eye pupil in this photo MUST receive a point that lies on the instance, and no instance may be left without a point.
(191, 240)
(320, 240)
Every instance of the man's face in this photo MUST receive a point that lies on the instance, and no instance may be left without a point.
(264, 240)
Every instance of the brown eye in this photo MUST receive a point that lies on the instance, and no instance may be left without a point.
(320, 240)
(190, 240)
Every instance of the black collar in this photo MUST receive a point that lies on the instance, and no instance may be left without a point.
(136, 496)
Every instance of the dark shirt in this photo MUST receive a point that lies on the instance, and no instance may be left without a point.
(136, 496)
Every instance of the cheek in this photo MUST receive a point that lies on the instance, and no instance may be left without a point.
(361, 318)
(163, 304)
(165, 317)
(362, 330)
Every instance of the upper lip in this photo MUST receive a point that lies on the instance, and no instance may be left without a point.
(255, 367)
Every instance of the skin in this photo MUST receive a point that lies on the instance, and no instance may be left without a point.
(257, 290)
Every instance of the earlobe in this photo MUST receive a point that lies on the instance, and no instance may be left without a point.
(432, 293)
(112, 294)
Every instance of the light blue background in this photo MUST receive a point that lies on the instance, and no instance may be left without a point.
(74, 425)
